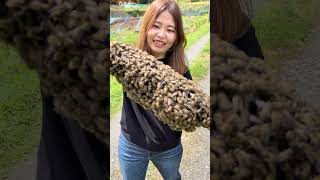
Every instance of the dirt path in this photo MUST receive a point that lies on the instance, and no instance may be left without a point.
(26, 170)
(196, 48)
(196, 157)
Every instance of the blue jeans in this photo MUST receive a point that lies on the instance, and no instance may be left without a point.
(134, 161)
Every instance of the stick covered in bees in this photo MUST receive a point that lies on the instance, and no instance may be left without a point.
(66, 43)
(262, 129)
(175, 100)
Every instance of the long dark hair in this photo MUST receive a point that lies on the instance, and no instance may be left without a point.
(231, 18)
(176, 57)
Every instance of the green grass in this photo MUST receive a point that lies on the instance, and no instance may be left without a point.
(20, 110)
(200, 65)
(283, 27)
(129, 37)
(116, 96)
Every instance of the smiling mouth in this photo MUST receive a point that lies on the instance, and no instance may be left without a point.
(159, 43)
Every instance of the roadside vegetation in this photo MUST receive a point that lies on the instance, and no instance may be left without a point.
(283, 28)
(20, 109)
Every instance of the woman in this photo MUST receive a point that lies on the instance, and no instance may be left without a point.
(143, 137)
(231, 20)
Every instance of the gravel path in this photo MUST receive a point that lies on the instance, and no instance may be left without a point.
(196, 48)
(304, 71)
(25, 170)
(196, 157)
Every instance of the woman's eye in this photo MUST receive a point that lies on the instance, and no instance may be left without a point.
(156, 26)
(170, 30)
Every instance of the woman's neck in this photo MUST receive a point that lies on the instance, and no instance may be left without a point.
(159, 56)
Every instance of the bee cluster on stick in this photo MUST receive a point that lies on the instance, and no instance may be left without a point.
(175, 100)
(262, 129)
(66, 43)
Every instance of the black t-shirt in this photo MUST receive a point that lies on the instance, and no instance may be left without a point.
(143, 128)
(249, 44)
(67, 151)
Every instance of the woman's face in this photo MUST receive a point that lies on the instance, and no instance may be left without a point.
(162, 35)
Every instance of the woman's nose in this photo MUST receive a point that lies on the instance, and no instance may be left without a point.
(161, 33)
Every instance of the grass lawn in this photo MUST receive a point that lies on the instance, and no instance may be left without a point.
(282, 28)
(20, 110)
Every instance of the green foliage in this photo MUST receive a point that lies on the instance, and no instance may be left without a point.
(192, 37)
(193, 23)
(135, 12)
(194, 7)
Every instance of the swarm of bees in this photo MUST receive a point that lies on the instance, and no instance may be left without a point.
(175, 100)
(66, 43)
(262, 129)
